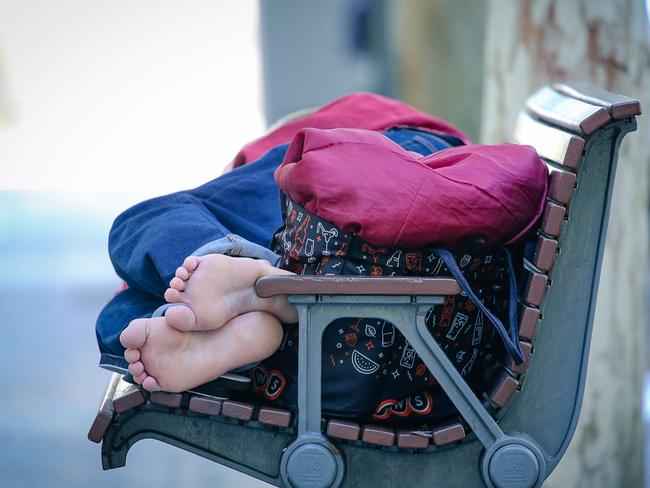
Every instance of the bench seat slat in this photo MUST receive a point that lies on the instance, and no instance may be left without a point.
(528, 321)
(545, 253)
(206, 406)
(553, 219)
(166, 399)
(274, 416)
(237, 410)
(409, 439)
(535, 289)
(127, 396)
(551, 143)
(560, 184)
(343, 429)
(527, 349)
(503, 389)
(558, 109)
(104, 416)
(447, 434)
(378, 435)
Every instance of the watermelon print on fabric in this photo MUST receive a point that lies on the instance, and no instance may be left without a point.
(369, 370)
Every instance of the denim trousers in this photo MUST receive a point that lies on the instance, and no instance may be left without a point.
(237, 213)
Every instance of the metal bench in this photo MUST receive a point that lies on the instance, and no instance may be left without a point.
(513, 436)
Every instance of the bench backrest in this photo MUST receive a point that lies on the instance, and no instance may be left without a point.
(577, 130)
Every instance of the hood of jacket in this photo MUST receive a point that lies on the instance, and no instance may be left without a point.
(366, 184)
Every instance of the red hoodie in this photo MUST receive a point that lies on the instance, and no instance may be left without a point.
(356, 111)
(365, 183)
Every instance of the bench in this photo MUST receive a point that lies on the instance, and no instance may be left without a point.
(512, 436)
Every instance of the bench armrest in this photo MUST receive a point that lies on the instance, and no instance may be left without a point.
(269, 286)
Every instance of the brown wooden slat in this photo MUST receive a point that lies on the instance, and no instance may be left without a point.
(237, 410)
(619, 106)
(100, 425)
(274, 416)
(381, 436)
(550, 142)
(527, 349)
(447, 434)
(269, 286)
(343, 429)
(167, 399)
(127, 396)
(545, 253)
(553, 219)
(560, 185)
(535, 288)
(503, 389)
(104, 416)
(528, 321)
(558, 109)
(206, 406)
(408, 439)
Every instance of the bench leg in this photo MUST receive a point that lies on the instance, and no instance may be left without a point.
(311, 448)
(253, 451)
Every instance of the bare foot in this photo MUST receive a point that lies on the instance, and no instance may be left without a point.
(217, 288)
(163, 358)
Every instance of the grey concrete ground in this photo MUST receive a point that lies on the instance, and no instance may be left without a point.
(55, 279)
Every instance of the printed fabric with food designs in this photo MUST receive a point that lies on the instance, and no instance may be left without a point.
(369, 371)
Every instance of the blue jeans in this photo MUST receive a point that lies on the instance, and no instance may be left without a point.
(150, 240)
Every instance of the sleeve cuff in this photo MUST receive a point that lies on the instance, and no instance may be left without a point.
(234, 245)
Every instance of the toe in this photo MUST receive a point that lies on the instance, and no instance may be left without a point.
(140, 378)
(182, 273)
(150, 384)
(136, 368)
(177, 283)
(172, 295)
(190, 263)
(135, 335)
(181, 318)
(132, 355)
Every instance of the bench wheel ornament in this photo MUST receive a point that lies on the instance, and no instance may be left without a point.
(513, 462)
(311, 462)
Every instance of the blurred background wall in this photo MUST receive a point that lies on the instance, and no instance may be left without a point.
(313, 52)
(103, 104)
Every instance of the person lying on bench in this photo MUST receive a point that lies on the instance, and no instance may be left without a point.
(355, 183)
